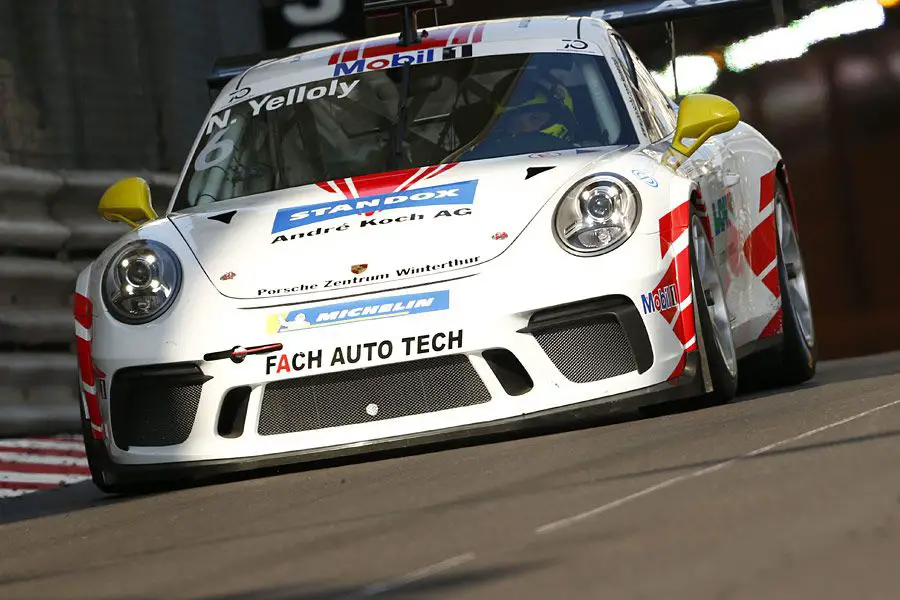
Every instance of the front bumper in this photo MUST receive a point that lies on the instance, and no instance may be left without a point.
(689, 384)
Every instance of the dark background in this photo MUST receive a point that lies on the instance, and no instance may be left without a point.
(121, 85)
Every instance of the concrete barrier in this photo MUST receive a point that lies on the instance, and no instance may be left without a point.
(49, 230)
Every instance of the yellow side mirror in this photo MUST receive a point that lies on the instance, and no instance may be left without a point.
(701, 116)
(128, 201)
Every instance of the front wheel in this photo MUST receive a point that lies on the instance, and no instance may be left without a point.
(714, 330)
(97, 458)
(715, 323)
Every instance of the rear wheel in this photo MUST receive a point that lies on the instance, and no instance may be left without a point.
(799, 352)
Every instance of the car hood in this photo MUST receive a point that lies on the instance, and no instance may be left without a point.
(376, 229)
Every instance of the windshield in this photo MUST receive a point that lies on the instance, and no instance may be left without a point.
(455, 110)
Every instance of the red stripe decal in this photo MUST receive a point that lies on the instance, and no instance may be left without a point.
(83, 310)
(416, 179)
(95, 415)
(85, 366)
(775, 326)
(384, 183)
(683, 276)
(771, 281)
(462, 36)
(440, 170)
(684, 325)
(437, 39)
(679, 368)
(344, 187)
(83, 314)
(336, 56)
(479, 33)
(766, 189)
(351, 54)
(759, 249)
(671, 226)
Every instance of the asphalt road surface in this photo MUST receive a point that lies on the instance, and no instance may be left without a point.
(793, 494)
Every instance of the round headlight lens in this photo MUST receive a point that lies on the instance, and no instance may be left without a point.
(597, 215)
(141, 281)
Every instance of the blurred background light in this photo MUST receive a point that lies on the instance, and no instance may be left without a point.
(697, 73)
(794, 40)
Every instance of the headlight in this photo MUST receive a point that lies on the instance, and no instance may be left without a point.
(141, 282)
(597, 215)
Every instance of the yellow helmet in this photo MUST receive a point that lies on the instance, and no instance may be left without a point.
(550, 97)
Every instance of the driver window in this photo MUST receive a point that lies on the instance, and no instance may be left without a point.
(655, 128)
(658, 102)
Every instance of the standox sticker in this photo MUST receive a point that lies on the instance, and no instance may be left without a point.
(441, 195)
(361, 310)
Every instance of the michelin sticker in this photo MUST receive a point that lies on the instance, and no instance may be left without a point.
(441, 195)
(362, 310)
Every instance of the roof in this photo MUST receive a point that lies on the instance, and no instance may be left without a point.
(500, 30)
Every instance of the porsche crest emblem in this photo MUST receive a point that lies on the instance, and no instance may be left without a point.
(357, 269)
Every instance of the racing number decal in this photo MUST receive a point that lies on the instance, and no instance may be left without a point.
(238, 94)
(574, 45)
(222, 150)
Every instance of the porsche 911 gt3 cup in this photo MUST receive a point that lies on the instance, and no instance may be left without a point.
(374, 244)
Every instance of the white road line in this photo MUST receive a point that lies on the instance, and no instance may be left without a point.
(42, 459)
(42, 444)
(562, 523)
(13, 477)
(380, 588)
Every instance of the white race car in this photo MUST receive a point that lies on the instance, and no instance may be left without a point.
(393, 241)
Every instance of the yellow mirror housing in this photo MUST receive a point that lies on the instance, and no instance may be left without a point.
(700, 117)
(128, 201)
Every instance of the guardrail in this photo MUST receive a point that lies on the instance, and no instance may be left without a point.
(49, 231)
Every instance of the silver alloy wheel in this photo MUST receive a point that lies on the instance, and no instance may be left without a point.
(794, 271)
(714, 296)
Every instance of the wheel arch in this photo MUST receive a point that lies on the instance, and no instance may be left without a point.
(781, 173)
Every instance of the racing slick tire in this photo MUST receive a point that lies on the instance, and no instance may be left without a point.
(794, 361)
(714, 328)
(714, 331)
(799, 350)
(97, 459)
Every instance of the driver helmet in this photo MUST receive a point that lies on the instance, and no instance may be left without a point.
(541, 106)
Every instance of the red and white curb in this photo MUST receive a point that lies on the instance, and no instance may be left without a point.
(44, 463)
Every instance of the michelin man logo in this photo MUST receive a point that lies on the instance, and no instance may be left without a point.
(297, 321)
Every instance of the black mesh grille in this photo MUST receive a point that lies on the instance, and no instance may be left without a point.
(154, 407)
(589, 351)
(373, 394)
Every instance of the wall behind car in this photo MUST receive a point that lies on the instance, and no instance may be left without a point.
(835, 115)
(89, 92)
